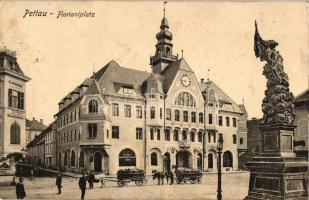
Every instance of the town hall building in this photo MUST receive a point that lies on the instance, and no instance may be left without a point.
(126, 118)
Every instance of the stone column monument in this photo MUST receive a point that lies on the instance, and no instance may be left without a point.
(276, 174)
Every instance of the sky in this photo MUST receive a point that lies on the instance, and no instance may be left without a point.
(59, 53)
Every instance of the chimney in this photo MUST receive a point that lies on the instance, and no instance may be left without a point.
(202, 80)
(41, 121)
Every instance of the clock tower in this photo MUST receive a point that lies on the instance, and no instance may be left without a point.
(164, 48)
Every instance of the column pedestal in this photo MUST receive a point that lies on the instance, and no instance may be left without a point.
(277, 174)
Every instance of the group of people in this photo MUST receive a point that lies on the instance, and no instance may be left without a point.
(82, 182)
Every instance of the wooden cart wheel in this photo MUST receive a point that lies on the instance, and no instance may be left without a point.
(139, 182)
(178, 181)
(120, 183)
(192, 181)
(199, 180)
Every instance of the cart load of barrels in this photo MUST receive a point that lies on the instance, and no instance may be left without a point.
(125, 176)
(188, 175)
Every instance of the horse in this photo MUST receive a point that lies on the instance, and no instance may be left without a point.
(160, 176)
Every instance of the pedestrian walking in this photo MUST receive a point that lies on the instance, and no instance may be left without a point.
(59, 182)
(20, 189)
(31, 174)
(82, 185)
(91, 179)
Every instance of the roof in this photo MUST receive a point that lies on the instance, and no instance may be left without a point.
(302, 98)
(223, 97)
(39, 139)
(153, 84)
(170, 72)
(113, 73)
(35, 125)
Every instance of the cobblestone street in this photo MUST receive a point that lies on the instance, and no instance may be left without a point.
(235, 186)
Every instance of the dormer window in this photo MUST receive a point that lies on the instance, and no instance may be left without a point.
(127, 90)
(93, 106)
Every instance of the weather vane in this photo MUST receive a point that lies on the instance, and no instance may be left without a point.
(165, 2)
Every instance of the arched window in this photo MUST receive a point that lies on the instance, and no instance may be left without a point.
(167, 134)
(200, 118)
(72, 159)
(185, 99)
(176, 135)
(177, 115)
(227, 159)
(93, 106)
(200, 136)
(15, 133)
(168, 50)
(210, 161)
(184, 135)
(192, 136)
(81, 159)
(65, 159)
(154, 159)
(127, 158)
(152, 112)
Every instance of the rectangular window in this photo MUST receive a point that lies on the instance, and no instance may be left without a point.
(92, 131)
(167, 134)
(139, 112)
(209, 118)
(127, 110)
(115, 132)
(177, 115)
(234, 122)
(151, 134)
(200, 137)
(152, 113)
(168, 114)
(115, 109)
(176, 135)
(161, 113)
(201, 117)
(192, 136)
(241, 140)
(220, 121)
(234, 139)
(227, 119)
(127, 90)
(139, 133)
(193, 117)
(209, 138)
(184, 135)
(16, 99)
(158, 134)
(185, 116)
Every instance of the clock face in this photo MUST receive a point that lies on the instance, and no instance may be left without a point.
(185, 80)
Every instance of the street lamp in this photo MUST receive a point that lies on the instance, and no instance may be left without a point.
(219, 148)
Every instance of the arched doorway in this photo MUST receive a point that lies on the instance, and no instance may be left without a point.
(227, 159)
(210, 161)
(167, 162)
(97, 158)
(199, 161)
(184, 159)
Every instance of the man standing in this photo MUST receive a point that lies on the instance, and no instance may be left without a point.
(20, 190)
(82, 185)
(91, 179)
(59, 182)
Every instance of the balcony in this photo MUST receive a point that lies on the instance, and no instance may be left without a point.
(162, 55)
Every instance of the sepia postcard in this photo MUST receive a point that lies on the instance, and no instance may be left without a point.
(154, 100)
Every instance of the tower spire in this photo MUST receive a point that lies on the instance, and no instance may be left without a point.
(165, 2)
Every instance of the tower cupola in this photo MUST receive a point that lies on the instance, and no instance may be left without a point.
(164, 47)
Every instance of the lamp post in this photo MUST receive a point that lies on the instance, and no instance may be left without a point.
(219, 148)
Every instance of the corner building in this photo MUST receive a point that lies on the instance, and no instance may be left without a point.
(122, 118)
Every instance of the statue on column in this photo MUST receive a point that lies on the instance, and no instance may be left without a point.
(277, 104)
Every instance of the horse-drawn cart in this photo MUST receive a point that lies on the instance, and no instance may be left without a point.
(185, 175)
(125, 176)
